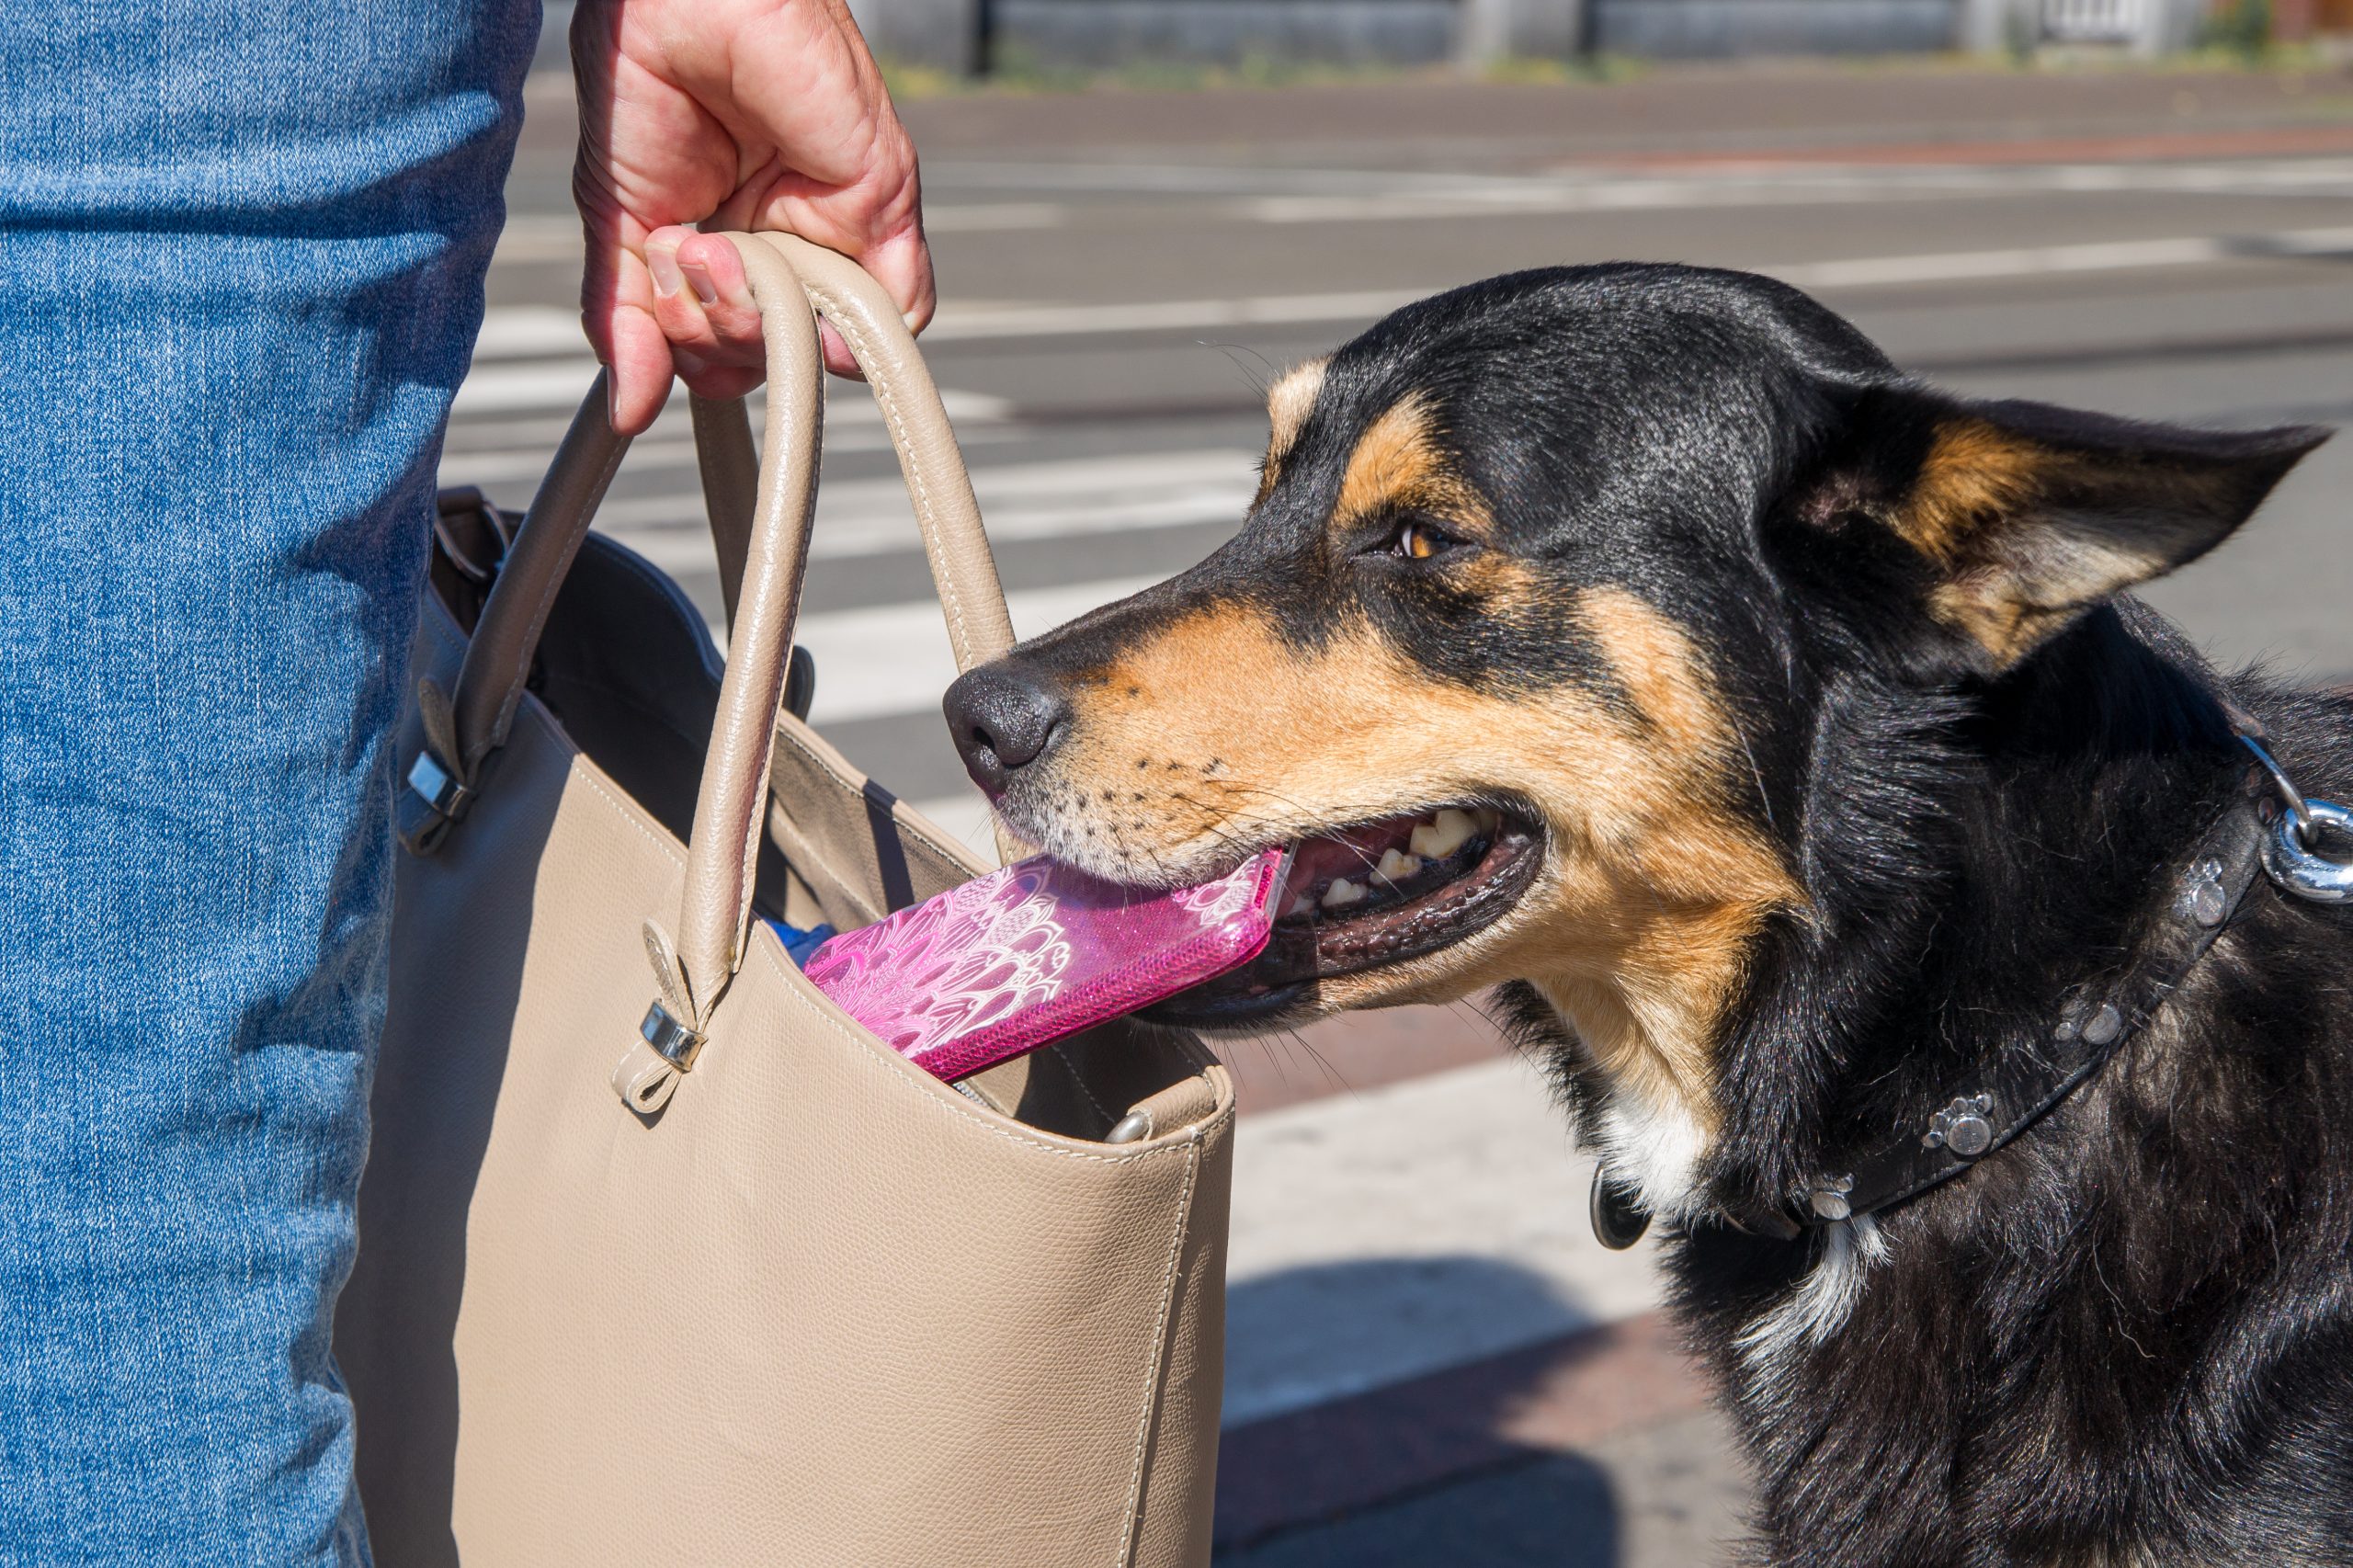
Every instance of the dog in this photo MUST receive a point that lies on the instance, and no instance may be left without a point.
(1903, 908)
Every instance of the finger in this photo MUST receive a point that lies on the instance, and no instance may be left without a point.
(616, 310)
(901, 262)
(642, 369)
(707, 380)
(838, 358)
(674, 305)
(714, 272)
(730, 356)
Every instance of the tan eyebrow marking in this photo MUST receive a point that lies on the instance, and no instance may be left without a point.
(1400, 461)
(1289, 402)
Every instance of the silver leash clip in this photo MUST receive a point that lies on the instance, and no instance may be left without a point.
(2289, 857)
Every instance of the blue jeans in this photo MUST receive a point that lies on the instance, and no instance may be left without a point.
(241, 253)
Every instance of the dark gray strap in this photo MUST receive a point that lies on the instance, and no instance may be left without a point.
(498, 657)
(2032, 1075)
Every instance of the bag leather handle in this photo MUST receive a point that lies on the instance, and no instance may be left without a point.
(792, 281)
(476, 716)
(946, 511)
(507, 633)
(789, 278)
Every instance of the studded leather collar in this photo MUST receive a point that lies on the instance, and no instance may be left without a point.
(2030, 1077)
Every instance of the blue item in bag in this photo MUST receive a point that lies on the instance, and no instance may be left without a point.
(799, 944)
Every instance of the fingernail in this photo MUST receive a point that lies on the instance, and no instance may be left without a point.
(663, 265)
(704, 291)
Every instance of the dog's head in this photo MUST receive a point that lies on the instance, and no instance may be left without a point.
(1520, 640)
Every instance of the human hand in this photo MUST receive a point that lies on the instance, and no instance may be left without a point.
(738, 114)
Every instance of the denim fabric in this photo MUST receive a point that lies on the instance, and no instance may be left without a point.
(241, 253)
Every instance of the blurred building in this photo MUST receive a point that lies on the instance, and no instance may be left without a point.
(967, 36)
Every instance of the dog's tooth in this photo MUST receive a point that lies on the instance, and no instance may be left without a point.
(1302, 905)
(1489, 820)
(1443, 835)
(1342, 892)
(1396, 867)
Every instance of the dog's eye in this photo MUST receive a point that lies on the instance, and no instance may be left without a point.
(1416, 540)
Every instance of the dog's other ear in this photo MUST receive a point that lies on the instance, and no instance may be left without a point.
(2026, 515)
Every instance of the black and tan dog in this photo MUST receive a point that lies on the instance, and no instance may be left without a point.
(1882, 882)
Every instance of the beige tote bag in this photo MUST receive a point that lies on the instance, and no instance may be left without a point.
(662, 1258)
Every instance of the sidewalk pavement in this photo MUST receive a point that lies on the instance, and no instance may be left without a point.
(1430, 1359)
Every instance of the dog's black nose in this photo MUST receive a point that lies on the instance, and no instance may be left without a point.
(1001, 719)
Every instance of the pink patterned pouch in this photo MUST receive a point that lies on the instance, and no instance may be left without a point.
(1022, 957)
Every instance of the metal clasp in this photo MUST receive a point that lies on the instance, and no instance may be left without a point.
(673, 1041)
(2289, 857)
(2288, 860)
(434, 786)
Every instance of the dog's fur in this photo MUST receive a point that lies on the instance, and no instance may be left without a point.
(1849, 762)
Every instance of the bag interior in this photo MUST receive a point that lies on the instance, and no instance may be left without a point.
(839, 849)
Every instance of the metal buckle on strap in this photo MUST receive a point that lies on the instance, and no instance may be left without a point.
(433, 784)
(672, 1040)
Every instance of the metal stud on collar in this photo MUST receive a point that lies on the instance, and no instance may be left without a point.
(2203, 897)
(1965, 1126)
(1829, 1200)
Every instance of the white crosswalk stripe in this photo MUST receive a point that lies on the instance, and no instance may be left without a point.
(551, 378)
(1032, 501)
(980, 320)
(894, 659)
(891, 660)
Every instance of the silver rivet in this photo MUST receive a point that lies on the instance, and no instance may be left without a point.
(1830, 1205)
(2105, 1026)
(2071, 1018)
(2206, 904)
(1962, 1127)
(1969, 1136)
(1133, 1128)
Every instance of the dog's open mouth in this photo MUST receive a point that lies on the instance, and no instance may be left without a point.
(1369, 896)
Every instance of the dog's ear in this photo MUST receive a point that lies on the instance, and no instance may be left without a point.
(2024, 515)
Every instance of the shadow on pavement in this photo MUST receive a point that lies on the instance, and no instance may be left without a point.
(1473, 1465)
(1560, 1512)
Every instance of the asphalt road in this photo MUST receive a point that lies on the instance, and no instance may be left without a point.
(1121, 277)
